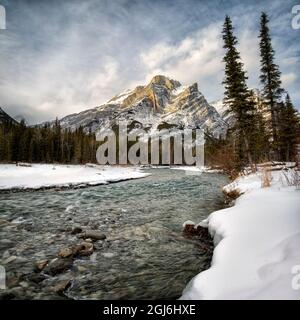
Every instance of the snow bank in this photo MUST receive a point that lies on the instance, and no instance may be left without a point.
(257, 245)
(45, 175)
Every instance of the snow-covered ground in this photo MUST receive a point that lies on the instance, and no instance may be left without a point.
(257, 253)
(45, 175)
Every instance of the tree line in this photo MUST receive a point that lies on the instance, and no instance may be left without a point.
(48, 143)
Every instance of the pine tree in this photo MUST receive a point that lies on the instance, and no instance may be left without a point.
(288, 129)
(270, 79)
(259, 137)
(237, 96)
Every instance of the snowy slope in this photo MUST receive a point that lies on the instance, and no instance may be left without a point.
(257, 245)
(45, 175)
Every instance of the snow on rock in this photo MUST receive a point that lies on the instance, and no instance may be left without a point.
(46, 175)
(188, 222)
(257, 245)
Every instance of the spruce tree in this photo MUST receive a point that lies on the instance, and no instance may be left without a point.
(288, 129)
(237, 96)
(270, 79)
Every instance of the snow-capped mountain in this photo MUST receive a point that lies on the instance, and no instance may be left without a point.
(163, 103)
(5, 118)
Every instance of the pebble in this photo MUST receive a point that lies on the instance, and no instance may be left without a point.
(24, 284)
(10, 259)
(76, 229)
(2, 222)
(93, 234)
(6, 241)
(81, 268)
(41, 264)
(5, 254)
(108, 254)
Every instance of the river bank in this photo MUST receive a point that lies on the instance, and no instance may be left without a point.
(256, 253)
(30, 177)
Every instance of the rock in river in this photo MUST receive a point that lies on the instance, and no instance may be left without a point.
(41, 264)
(65, 252)
(58, 265)
(83, 249)
(93, 234)
(76, 229)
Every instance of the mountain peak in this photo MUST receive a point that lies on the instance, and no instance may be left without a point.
(165, 81)
(193, 88)
(162, 101)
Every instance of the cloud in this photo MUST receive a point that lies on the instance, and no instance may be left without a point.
(68, 56)
(288, 79)
(196, 58)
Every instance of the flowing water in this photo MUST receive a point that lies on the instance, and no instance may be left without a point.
(145, 255)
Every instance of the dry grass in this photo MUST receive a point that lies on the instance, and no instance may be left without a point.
(266, 177)
(290, 178)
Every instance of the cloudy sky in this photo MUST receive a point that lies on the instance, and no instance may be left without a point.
(62, 57)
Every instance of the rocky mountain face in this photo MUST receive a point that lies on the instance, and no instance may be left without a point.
(5, 118)
(163, 103)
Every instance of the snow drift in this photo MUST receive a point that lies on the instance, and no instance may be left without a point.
(257, 243)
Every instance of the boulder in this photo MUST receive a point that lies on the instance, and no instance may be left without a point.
(36, 277)
(190, 229)
(65, 252)
(196, 230)
(83, 249)
(41, 264)
(58, 265)
(61, 286)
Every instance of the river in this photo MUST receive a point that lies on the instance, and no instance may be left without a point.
(145, 255)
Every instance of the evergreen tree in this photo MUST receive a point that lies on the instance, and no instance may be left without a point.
(237, 97)
(270, 79)
(260, 136)
(288, 129)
